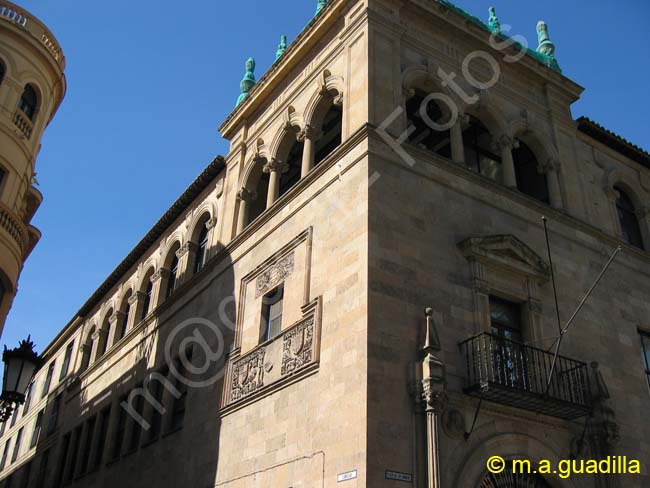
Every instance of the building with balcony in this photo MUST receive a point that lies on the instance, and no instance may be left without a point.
(359, 293)
(32, 86)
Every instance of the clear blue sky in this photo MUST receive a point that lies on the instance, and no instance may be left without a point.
(150, 81)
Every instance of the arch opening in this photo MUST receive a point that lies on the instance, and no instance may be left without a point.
(529, 178)
(627, 217)
(29, 102)
(424, 135)
(480, 155)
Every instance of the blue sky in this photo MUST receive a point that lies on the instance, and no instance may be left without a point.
(150, 81)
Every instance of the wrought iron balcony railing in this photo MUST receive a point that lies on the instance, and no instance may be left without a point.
(515, 374)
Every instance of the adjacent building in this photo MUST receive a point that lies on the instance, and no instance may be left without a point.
(32, 86)
(359, 293)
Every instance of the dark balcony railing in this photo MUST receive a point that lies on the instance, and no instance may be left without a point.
(515, 374)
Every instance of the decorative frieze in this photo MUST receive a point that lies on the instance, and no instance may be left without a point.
(247, 375)
(274, 275)
(297, 347)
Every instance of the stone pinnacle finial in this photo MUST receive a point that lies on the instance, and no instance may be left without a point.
(545, 45)
(431, 340)
(248, 82)
(282, 47)
(321, 4)
(493, 21)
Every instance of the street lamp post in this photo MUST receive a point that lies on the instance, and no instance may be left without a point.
(20, 365)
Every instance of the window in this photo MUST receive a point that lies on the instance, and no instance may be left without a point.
(331, 134)
(425, 136)
(3, 174)
(180, 404)
(66, 361)
(65, 446)
(119, 430)
(156, 416)
(5, 453)
(509, 355)
(272, 313)
(19, 438)
(87, 350)
(104, 334)
(48, 379)
(29, 102)
(147, 298)
(42, 471)
(529, 180)
(202, 251)
(27, 471)
(136, 428)
(173, 276)
(54, 415)
(88, 442)
(3, 71)
(14, 417)
(124, 321)
(28, 398)
(645, 354)
(102, 434)
(74, 453)
(294, 165)
(479, 155)
(37, 430)
(627, 218)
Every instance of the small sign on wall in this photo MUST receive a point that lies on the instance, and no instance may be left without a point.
(350, 475)
(397, 476)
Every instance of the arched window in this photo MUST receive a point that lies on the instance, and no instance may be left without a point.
(104, 334)
(87, 350)
(148, 294)
(123, 320)
(479, 152)
(173, 274)
(258, 186)
(202, 249)
(529, 180)
(331, 134)
(294, 163)
(2, 71)
(425, 135)
(628, 220)
(29, 102)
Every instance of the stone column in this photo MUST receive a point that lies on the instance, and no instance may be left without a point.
(308, 137)
(186, 255)
(274, 168)
(434, 396)
(159, 279)
(457, 147)
(117, 319)
(245, 197)
(509, 176)
(136, 302)
(552, 169)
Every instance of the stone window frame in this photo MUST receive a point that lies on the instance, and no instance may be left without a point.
(305, 236)
(644, 337)
(615, 178)
(505, 267)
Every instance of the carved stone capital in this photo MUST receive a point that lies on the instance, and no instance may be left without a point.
(535, 306)
(338, 100)
(161, 273)
(116, 317)
(275, 165)
(408, 93)
(308, 132)
(550, 165)
(481, 286)
(184, 249)
(211, 223)
(246, 195)
(504, 142)
(138, 295)
(434, 396)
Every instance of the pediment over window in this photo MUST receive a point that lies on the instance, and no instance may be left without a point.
(505, 252)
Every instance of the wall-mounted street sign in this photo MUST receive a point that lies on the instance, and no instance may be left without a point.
(350, 475)
(396, 475)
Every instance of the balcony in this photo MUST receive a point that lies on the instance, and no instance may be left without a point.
(517, 375)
